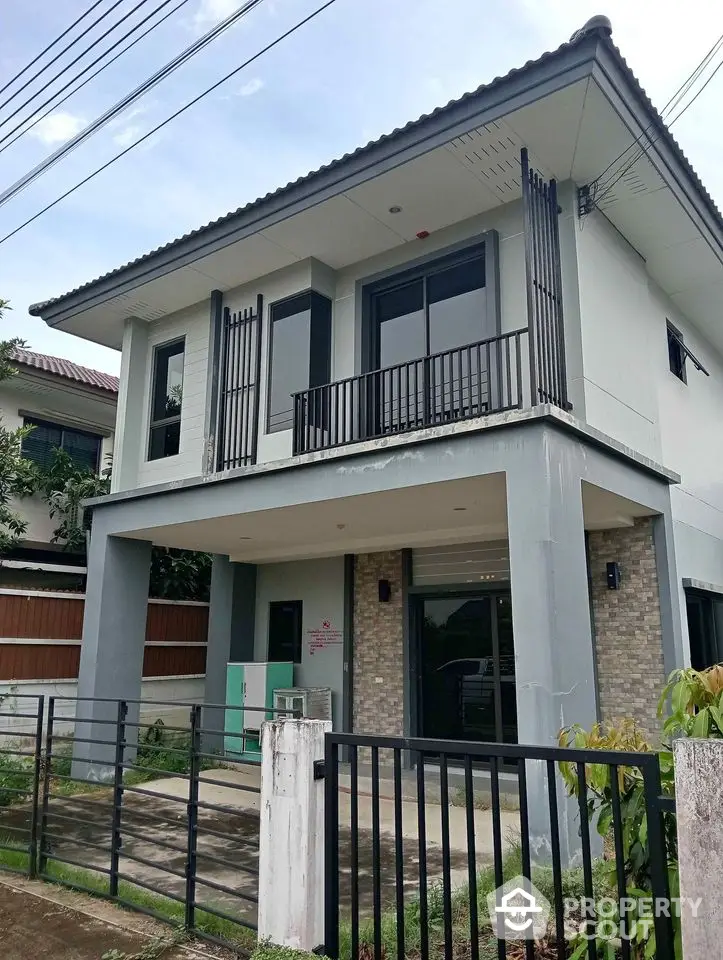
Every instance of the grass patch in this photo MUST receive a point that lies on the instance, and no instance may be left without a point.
(542, 878)
(96, 884)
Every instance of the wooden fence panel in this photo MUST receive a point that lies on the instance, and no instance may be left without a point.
(33, 616)
(177, 623)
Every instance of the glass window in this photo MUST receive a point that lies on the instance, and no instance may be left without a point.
(457, 306)
(676, 352)
(167, 400)
(285, 631)
(83, 448)
(402, 334)
(300, 354)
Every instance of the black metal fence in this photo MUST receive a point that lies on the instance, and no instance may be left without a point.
(412, 855)
(158, 816)
(470, 381)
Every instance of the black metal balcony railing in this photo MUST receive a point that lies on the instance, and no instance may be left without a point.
(470, 381)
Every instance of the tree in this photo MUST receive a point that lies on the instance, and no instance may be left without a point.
(16, 474)
(175, 574)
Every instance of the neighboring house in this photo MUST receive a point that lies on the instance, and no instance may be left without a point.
(410, 380)
(72, 408)
(42, 585)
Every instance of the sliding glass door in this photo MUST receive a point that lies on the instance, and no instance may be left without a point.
(466, 668)
(419, 322)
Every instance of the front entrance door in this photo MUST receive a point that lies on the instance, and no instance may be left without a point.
(466, 668)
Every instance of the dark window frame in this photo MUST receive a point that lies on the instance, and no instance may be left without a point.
(486, 244)
(678, 353)
(298, 645)
(29, 420)
(710, 652)
(320, 308)
(164, 421)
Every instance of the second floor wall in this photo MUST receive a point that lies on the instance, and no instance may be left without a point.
(65, 415)
(619, 376)
(501, 305)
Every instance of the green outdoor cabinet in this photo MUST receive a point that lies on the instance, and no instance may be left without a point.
(250, 692)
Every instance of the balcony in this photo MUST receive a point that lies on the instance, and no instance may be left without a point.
(473, 380)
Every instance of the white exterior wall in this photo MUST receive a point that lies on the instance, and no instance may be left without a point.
(631, 395)
(55, 404)
(319, 584)
(342, 288)
(181, 690)
(193, 324)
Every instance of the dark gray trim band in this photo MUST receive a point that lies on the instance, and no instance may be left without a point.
(348, 668)
(212, 378)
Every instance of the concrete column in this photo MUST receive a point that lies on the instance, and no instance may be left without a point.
(671, 608)
(111, 656)
(554, 659)
(698, 802)
(231, 622)
(291, 839)
(131, 398)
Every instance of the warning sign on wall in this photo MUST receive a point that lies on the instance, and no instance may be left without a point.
(324, 636)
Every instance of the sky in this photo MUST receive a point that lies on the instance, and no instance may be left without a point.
(358, 70)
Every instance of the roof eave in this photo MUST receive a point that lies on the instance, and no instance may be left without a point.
(518, 89)
(617, 81)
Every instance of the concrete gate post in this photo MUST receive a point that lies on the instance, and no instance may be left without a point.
(699, 808)
(291, 846)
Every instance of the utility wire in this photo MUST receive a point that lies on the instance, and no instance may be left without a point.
(191, 103)
(671, 104)
(36, 119)
(80, 56)
(50, 46)
(59, 55)
(126, 101)
(642, 152)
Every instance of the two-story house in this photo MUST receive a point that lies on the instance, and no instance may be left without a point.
(445, 410)
(71, 408)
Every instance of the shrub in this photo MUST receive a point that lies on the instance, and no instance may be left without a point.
(14, 775)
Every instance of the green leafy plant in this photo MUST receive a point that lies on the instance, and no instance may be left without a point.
(690, 705)
(64, 486)
(175, 574)
(17, 477)
(696, 703)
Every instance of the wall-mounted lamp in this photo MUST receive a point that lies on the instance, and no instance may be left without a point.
(385, 591)
(613, 575)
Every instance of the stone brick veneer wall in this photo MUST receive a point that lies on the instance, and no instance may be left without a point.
(627, 624)
(378, 645)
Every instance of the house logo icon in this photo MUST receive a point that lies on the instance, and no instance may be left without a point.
(518, 911)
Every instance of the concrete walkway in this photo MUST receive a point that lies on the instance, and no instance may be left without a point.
(236, 795)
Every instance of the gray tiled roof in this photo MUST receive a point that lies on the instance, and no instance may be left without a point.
(658, 130)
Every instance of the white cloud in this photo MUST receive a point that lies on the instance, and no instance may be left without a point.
(58, 127)
(250, 88)
(127, 135)
(211, 12)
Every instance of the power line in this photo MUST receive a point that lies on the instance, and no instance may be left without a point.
(59, 55)
(36, 119)
(126, 101)
(614, 181)
(50, 46)
(672, 102)
(191, 103)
